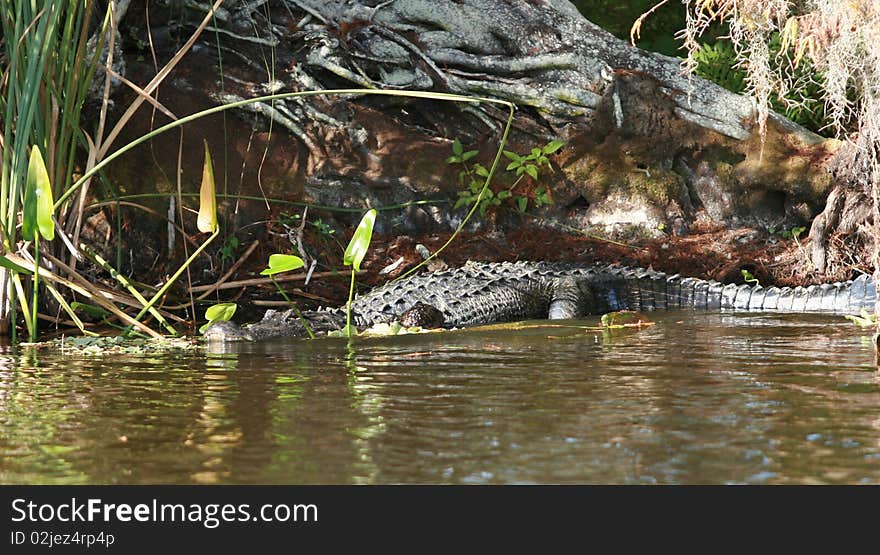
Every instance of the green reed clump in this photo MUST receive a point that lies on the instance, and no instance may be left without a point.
(49, 64)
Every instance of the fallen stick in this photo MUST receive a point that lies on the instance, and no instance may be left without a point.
(231, 271)
(258, 281)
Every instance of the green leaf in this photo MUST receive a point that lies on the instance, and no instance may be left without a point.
(532, 171)
(502, 195)
(522, 203)
(513, 166)
(552, 147)
(346, 331)
(90, 309)
(37, 210)
(457, 148)
(453, 160)
(480, 170)
(748, 277)
(221, 312)
(535, 153)
(360, 241)
(462, 201)
(465, 156)
(279, 263)
(10, 265)
(513, 156)
(624, 319)
(207, 220)
(866, 320)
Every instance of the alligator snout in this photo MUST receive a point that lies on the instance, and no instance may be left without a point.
(226, 331)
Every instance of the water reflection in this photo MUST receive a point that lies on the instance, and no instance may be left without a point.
(697, 398)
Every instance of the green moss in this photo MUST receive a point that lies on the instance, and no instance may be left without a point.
(657, 186)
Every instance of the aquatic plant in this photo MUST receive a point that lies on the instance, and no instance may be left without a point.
(51, 52)
(49, 66)
(354, 255)
(280, 263)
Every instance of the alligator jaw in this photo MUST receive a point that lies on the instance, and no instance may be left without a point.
(224, 332)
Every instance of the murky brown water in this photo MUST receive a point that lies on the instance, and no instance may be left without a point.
(697, 398)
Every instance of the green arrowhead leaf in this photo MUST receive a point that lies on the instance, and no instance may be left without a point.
(207, 221)
(37, 210)
(360, 241)
(279, 263)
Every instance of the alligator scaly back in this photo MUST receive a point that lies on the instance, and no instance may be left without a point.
(485, 293)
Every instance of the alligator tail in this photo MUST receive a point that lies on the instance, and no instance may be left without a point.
(645, 290)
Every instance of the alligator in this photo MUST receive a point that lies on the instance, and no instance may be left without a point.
(486, 293)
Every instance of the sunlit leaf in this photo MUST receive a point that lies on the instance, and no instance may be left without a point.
(465, 156)
(37, 210)
(553, 146)
(360, 241)
(748, 277)
(347, 331)
(221, 312)
(532, 171)
(866, 320)
(279, 263)
(207, 221)
(457, 148)
(624, 319)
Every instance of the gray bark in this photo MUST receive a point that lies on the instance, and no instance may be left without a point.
(542, 53)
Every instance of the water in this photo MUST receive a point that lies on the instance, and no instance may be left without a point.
(696, 398)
